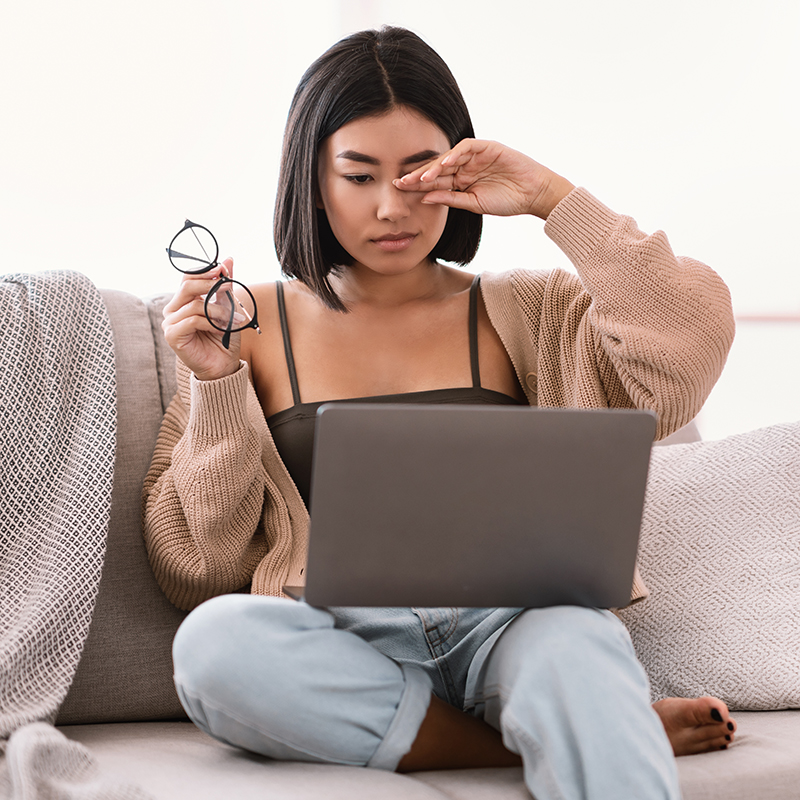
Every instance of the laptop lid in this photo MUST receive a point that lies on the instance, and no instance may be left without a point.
(487, 506)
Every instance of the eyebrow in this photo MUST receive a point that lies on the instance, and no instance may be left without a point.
(362, 158)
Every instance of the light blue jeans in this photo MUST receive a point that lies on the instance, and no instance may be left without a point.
(352, 686)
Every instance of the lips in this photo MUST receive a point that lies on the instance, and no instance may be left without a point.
(394, 237)
(393, 242)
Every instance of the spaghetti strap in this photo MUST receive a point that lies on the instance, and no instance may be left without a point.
(287, 344)
(473, 332)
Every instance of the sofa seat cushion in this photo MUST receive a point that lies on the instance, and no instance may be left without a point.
(175, 760)
(762, 764)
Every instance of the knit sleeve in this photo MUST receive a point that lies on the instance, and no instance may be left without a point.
(639, 327)
(204, 492)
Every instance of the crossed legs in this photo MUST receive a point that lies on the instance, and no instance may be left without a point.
(561, 691)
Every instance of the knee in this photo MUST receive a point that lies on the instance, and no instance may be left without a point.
(574, 619)
(568, 634)
(240, 634)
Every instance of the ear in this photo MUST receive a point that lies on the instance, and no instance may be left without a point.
(318, 199)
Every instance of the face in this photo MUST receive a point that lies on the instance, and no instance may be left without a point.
(384, 229)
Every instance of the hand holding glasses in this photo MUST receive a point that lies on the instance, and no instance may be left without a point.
(229, 305)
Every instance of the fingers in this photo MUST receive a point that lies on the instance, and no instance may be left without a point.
(448, 179)
(180, 332)
(198, 285)
(195, 328)
(429, 175)
(227, 267)
(454, 199)
(219, 312)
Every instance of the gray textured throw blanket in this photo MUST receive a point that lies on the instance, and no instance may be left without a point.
(58, 440)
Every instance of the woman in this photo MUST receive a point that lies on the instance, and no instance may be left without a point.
(381, 178)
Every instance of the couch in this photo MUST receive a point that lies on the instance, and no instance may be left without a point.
(123, 707)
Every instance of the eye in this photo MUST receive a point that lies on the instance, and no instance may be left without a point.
(358, 178)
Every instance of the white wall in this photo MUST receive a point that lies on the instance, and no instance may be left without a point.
(120, 119)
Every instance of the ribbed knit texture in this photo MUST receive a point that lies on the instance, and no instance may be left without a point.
(639, 328)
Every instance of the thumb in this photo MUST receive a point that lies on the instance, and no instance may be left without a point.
(227, 267)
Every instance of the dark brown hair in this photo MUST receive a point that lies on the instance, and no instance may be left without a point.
(364, 74)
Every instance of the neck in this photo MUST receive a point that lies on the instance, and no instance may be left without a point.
(359, 286)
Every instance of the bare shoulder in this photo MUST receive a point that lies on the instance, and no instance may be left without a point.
(263, 291)
(260, 347)
(265, 352)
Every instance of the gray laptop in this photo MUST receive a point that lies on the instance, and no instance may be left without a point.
(475, 505)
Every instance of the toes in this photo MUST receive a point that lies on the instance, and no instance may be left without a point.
(721, 743)
(716, 710)
(698, 725)
(706, 736)
(707, 746)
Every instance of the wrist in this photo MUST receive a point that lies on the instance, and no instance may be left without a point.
(202, 375)
(556, 189)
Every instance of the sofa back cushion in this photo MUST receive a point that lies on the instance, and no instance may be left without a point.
(125, 671)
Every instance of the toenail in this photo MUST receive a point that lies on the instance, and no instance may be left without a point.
(728, 736)
(730, 726)
(715, 715)
(723, 747)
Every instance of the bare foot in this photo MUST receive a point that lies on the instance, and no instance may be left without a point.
(696, 725)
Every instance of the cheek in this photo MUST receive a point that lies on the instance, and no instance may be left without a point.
(345, 206)
(436, 219)
(333, 205)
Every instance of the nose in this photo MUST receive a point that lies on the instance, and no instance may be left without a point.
(393, 204)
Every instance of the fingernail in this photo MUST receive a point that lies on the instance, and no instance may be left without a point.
(730, 726)
(723, 747)
(715, 715)
(445, 161)
(727, 737)
(425, 176)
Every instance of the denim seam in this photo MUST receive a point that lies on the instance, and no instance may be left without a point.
(451, 628)
(433, 634)
(442, 637)
(508, 721)
(436, 646)
(490, 692)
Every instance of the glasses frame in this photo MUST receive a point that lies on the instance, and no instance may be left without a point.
(209, 264)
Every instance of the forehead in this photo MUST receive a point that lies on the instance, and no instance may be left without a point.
(387, 137)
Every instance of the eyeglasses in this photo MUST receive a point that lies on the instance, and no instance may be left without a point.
(230, 305)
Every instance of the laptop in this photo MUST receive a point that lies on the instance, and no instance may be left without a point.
(475, 505)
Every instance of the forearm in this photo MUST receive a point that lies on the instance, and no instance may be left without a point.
(660, 325)
(204, 494)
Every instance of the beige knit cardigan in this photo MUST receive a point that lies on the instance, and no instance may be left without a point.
(639, 328)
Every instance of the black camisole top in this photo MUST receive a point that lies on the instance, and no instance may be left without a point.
(293, 428)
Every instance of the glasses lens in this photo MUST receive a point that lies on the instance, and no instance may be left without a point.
(231, 307)
(194, 249)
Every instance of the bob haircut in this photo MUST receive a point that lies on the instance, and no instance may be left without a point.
(365, 74)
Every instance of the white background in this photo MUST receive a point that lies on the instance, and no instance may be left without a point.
(121, 119)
